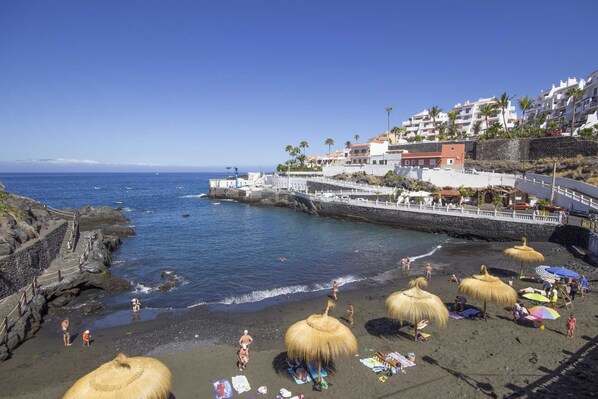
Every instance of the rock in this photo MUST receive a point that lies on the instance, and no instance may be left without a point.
(166, 286)
(168, 275)
(118, 230)
(5, 248)
(92, 218)
(93, 266)
(91, 307)
(107, 282)
(60, 301)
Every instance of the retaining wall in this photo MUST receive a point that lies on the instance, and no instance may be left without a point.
(29, 260)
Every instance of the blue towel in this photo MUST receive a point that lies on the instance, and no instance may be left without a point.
(314, 371)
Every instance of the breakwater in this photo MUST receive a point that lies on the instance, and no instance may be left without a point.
(452, 224)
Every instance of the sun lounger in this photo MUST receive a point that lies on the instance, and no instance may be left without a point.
(313, 371)
(241, 384)
(370, 362)
(222, 389)
(296, 377)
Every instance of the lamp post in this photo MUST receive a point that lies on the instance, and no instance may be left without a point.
(236, 175)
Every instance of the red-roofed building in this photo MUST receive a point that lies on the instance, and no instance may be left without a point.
(450, 156)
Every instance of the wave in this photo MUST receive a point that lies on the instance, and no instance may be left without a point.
(203, 195)
(118, 262)
(260, 295)
(430, 253)
(127, 209)
(192, 196)
(143, 289)
(149, 212)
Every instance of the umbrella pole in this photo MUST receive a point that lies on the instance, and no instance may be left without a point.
(320, 371)
(415, 330)
(484, 310)
(521, 271)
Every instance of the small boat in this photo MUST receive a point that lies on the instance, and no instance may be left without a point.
(119, 202)
(128, 188)
(97, 188)
(179, 187)
(186, 215)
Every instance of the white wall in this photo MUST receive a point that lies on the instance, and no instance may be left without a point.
(376, 170)
(296, 183)
(456, 178)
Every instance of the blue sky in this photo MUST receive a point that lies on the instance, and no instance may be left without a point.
(194, 83)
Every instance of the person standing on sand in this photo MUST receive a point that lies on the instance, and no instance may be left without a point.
(403, 264)
(571, 324)
(584, 286)
(554, 298)
(66, 336)
(243, 357)
(407, 263)
(86, 338)
(334, 290)
(350, 313)
(245, 340)
(428, 271)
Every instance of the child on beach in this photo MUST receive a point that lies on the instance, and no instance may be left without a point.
(428, 271)
(571, 324)
(86, 337)
(350, 314)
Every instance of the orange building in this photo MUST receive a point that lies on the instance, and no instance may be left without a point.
(450, 156)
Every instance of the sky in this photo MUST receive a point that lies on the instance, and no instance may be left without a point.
(199, 85)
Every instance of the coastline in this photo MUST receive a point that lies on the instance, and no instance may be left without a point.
(198, 345)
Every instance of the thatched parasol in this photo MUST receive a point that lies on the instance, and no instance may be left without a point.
(524, 254)
(415, 305)
(124, 378)
(487, 288)
(319, 337)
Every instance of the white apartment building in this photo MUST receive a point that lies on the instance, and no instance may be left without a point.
(468, 115)
(362, 153)
(586, 109)
(422, 124)
(552, 102)
(338, 157)
(556, 104)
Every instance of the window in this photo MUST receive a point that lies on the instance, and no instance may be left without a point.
(407, 162)
(374, 162)
(432, 162)
(420, 162)
(450, 161)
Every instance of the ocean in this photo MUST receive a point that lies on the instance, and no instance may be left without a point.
(224, 254)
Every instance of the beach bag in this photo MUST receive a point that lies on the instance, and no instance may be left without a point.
(220, 389)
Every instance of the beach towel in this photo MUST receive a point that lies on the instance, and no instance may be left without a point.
(296, 377)
(313, 371)
(222, 389)
(455, 315)
(422, 336)
(241, 384)
(403, 361)
(470, 313)
(370, 362)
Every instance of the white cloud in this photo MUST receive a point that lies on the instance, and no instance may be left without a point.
(59, 161)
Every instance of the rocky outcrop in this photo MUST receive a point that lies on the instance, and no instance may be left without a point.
(107, 219)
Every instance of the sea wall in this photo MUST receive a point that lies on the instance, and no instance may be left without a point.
(29, 260)
(515, 149)
(453, 225)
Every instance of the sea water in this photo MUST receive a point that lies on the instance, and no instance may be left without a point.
(224, 253)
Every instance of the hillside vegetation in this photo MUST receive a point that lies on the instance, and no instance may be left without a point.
(579, 168)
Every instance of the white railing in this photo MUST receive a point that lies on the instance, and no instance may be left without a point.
(564, 197)
(530, 218)
(355, 186)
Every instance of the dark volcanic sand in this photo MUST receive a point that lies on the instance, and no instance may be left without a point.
(468, 359)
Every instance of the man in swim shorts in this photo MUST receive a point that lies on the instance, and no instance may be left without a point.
(66, 336)
(245, 339)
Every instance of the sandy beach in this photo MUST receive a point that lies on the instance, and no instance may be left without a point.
(467, 359)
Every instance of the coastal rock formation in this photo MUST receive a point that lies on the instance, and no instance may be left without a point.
(107, 219)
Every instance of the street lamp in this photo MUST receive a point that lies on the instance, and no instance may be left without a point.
(236, 174)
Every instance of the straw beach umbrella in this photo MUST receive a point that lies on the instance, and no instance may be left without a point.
(124, 378)
(320, 337)
(416, 305)
(524, 254)
(487, 288)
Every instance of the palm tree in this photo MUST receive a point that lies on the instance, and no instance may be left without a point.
(434, 112)
(304, 145)
(388, 111)
(487, 110)
(302, 158)
(525, 103)
(575, 93)
(503, 103)
(329, 142)
(356, 137)
(347, 144)
(289, 148)
(396, 131)
(452, 118)
(477, 127)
